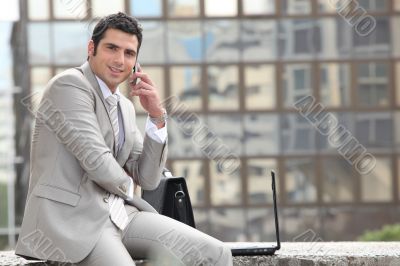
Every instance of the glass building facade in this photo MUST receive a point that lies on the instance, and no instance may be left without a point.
(238, 67)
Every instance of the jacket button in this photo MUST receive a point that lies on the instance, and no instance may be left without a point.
(123, 188)
(105, 200)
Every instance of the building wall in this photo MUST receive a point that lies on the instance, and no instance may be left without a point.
(7, 134)
(239, 67)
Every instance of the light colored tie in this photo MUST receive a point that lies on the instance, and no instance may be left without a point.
(117, 209)
(112, 101)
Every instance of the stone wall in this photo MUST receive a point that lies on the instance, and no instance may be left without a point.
(296, 254)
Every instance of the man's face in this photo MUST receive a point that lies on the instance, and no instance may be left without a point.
(115, 57)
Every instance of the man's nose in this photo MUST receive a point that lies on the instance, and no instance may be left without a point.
(119, 58)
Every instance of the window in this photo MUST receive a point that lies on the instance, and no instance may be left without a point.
(373, 84)
(258, 180)
(226, 133)
(39, 46)
(67, 51)
(298, 134)
(301, 224)
(220, 8)
(397, 81)
(186, 136)
(297, 39)
(202, 219)
(296, 80)
(259, 87)
(377, 185)
(300, 180)
(238, 68)
(222, 226)
(222, 40)
(4, 200)
(327, 6)
(398, 176)
(226, 188)
(375, 5)
(337, 135)
(374, 130)
(186, 84)
(296, 7)
(38, 9)
(70, 9)
(184, 42)
(6, 63)
(334, 36)
(260, 225)
(258, 7)
(376, 43)
(261, 134)
(396, 124)
(183, 8)
(101, 8)
(335, 84)
(395, 35)
(258, 40)
(152, 50)
(223, 87)
(338, 180)
(148, 8)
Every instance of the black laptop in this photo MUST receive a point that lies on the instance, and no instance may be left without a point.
(254, 249)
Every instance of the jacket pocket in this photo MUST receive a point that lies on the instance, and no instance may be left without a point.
(57, 194)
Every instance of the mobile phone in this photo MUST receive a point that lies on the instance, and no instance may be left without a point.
(135, 69)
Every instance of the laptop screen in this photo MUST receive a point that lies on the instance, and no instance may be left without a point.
(278, 241)
(252, 249)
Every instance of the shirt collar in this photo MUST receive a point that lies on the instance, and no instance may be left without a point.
(105, 90)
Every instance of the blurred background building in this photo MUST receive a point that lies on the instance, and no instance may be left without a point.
(239, 66)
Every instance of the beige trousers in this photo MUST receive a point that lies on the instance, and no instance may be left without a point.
(159, 239)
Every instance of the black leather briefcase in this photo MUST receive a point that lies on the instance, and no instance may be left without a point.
(171, 198)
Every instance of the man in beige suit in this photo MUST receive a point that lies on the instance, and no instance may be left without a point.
(87, 155)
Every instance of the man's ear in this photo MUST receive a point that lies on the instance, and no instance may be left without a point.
(91, 48)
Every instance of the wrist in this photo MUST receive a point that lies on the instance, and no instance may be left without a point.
(159, 118)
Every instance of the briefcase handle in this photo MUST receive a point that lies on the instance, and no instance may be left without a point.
(166, 172)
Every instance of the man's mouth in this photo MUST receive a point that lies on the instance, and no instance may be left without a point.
(116, 70)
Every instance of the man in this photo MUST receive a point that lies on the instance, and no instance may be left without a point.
(87, 154)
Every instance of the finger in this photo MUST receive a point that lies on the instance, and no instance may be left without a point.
(139, 67)
(141, 92)
(143, 76)
(143, 85)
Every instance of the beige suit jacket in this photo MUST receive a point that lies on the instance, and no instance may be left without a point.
(74, 167)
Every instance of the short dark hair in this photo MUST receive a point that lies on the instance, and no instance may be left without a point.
(119, 21)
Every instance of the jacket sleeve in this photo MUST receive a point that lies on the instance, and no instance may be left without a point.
(146, 160)
(68, 110)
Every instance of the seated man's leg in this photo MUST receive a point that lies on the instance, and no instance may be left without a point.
(108, 250)
(149, 235)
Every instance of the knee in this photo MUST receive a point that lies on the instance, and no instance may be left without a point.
(226, 256)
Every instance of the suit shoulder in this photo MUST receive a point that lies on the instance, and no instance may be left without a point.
(70, 75)
(69, 79)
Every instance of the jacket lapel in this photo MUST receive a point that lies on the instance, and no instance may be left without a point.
(123, 154)
(87, 72)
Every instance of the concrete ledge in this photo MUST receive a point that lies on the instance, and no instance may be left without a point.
(296, 254)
